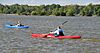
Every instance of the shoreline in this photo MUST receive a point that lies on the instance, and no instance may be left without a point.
(50, 15)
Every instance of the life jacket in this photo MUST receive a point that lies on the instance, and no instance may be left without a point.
(61, 33)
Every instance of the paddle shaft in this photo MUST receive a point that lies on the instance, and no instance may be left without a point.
(63, 23)
(45, 35)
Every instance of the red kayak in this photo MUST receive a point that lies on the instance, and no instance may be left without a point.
(59, 37)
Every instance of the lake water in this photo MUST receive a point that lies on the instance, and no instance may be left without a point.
(20, 40)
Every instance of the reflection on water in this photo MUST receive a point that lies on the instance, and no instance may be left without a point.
(20, 41)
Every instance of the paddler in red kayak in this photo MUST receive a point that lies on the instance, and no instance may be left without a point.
(56, 33)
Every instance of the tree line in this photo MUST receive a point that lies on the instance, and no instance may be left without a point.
(51, 10)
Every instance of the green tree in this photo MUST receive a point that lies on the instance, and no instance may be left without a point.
(70, 10)
(34, 13)
(53, 9)
(87, 10)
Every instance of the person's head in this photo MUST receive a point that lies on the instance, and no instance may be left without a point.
(18, 22)
(58, 27)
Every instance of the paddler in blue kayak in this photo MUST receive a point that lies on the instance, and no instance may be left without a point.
(57, 32)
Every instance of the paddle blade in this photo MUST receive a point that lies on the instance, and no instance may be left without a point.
(64, 22)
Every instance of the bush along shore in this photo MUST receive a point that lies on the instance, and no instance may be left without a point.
(51, 10)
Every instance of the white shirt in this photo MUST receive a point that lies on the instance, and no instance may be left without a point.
(57, 31)
(18, 25)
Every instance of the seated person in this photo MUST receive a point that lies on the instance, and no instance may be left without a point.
(57, 32)
(19, 24)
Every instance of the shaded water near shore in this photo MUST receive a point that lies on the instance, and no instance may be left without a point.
(20, 41)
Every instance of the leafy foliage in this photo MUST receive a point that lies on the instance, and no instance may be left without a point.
(54, 9)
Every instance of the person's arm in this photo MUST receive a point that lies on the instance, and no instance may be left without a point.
(51, 32)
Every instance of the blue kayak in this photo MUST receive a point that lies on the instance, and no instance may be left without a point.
(12, 26)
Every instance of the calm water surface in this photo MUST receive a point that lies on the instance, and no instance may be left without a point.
(20, 41)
